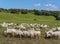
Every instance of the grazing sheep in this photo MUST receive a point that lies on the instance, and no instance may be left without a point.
(31, 25)
(37, 34)
(10, 23)
(26, 33)
(54, 29)
(58, 28)
(53, 34)
(19, 33)
(44, 26)
(36, 25)
(4, 24)
(34, 33)
(47, 34)
(22, 27)
(11, 32)
(31, 34)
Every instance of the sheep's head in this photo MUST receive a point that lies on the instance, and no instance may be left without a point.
(48, 33)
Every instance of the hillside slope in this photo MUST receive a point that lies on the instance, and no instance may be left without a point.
(27, 18)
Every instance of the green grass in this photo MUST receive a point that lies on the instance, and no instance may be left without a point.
(27, 18)
(19, 18)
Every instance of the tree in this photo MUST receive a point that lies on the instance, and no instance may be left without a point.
(36, 12)
(1, 9)
(44, 12)
(58, 17)
(24, 11)
(14, 11)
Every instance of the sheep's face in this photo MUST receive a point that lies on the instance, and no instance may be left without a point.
(48, 34)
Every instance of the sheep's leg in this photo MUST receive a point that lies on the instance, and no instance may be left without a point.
(58, 37)
(20, 36)
(25, 35)
(31, 37)
(38, 36)
(13, 34)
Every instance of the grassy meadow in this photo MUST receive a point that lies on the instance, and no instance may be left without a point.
(27, 18)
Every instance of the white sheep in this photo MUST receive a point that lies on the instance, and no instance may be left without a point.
(4, 24)
(31, 32)
(31, 25)
(22, 27)
(26, 33)
(10, 32)
(54, 29)
(19, 33)
(53, 34)
(46, 26)
(34, 33)
(48, 34)
(42, 26)
(37, 34)
(58, 28)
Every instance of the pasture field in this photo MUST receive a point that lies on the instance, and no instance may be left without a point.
(27, 18)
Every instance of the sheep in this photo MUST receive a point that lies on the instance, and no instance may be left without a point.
(44, 26)
(36, 25)
(41, 26)
(52, 34)
(37, 34)
(19, 33)
(31, 25)
(31, 33)
(16, 26)
(11, 32)
(58, 28)
(47, 34)
(34, 33)
(26, 33)
(22, 27)
(54, 29)
(4, 24)
(55, 34)
(10, 24)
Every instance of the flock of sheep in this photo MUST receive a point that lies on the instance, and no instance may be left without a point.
(29, 30)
